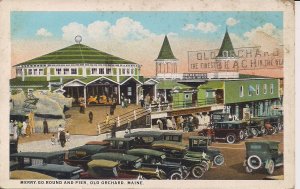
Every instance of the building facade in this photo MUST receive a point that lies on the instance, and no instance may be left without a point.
(80, 71)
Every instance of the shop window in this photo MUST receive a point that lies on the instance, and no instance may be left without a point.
(108, 70)
(58, 71)
(265, 88)
(241, 91)
(101, 70)
(186, 96)
(257, 89)
(66, 71)
(207, 94)
(74, 71)
(271, 88)
(29, 71)
(129, 91)
(94, 71)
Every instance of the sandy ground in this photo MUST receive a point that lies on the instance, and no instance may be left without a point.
(78, 123)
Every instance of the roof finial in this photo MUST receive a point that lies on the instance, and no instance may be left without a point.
(78, 39)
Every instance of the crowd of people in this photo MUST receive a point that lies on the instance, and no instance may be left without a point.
(176, 123)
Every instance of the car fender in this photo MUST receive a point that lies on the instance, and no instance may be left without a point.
(267, 163)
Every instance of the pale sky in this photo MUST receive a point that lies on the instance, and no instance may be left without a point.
(138, 36)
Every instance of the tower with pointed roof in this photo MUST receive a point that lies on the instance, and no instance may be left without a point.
(166, 62)
(226, 51)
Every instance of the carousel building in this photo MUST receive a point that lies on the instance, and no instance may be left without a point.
(79, 71)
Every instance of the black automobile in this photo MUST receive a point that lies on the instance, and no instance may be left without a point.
(131, 165)
(176, 152)
(81, 155)
(144, 139)
(263, 155)
(57, 171)
(201, 144)
(157, 159)
(37, 158)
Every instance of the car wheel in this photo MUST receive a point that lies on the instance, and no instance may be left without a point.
(205, 165)
(175, 176)
(248, 169)
(280, 127)
(241, 135)
(270, 168)
(197, 171)
(254, 132)
(230, 138)
(264, 131)
(219, 159)
(274, 130)
(254, 162)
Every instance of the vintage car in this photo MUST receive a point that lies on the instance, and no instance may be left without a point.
(81, 155)
(176, 152)
(200, 144)
(230, 131)
(264, 122)
(105, 169)
(144, 139)
(275, 121)
(157, 159)
(57, 171)
(13, 144)
(131, 165)
(256, 127)
(120, 145)
(263, 154)
(219, 117)
(23, 174)
(37, 158)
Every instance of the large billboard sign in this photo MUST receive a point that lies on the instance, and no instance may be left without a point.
(246, 58)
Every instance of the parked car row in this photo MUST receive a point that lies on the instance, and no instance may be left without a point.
(139, 155)
(236, 131)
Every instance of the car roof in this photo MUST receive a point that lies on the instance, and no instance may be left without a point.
(199, 137)
(144, 133)
(37, 154)
(232, 122)
(271, 144)
(24, 174)
(53, 167)
(102, 163)
(113, 156)
(91, 149)
(169, 145)
(173, 133)
(143, 151)
(118, 139)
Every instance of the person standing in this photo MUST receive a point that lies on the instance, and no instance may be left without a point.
(122, 100)
(107, 119)
(160, 124)
(11, 127)
(24, 128)
(91, 116)
(141, 98)
(45, 126)
(20, 125)
(114, 129)
(129, 126)
(60, 128)
(62, 138)
(112, 109)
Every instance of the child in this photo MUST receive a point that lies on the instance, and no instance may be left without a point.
(53, 139)
(68, 136)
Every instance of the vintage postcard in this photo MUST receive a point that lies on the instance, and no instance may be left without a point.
(140, 94)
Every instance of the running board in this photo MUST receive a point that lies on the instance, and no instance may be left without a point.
(279, 164)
